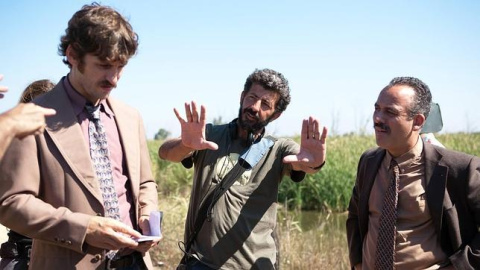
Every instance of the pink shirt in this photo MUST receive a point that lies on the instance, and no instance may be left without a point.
(117, 160)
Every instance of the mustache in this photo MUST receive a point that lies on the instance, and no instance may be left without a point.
(107, 84)
(252, 112)
(381, 126)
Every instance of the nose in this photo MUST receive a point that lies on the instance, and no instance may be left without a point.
(256, 105)
(377, 117)
(113, 75)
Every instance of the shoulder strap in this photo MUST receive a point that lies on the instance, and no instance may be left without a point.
(246, 161)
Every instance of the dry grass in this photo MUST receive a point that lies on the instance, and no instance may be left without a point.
(323, 246)
(167, 254)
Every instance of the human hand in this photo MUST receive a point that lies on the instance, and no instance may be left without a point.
(313, 147)
(110, 234)
(144, 225)
(27, 119)
(3, 89)
(193, 128)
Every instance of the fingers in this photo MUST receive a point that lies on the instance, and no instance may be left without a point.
(144, 224)
(28, 119)
(311, 129)
(290, 159)
(3, 89)
(145, 246)
(194, 112)
(323, 138)
(124, 229)
(304, 133)
(188, 112)
(108, 233)
(48, 111)
(177, 114)
(191, 113)
(211, 145)
(203, 114)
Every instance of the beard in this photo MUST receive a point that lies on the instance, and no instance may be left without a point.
(252, 126)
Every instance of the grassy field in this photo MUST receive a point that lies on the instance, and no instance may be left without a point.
(327, 192)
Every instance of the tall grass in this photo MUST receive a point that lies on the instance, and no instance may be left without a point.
(331, 187)
(328, 191)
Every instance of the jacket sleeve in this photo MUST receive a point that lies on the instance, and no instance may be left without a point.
(468, 255)
(354, 237)
(22, 210)
(148, 196)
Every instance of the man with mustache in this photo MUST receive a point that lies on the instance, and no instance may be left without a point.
(237, 233)
(414, 205)
(83, 189)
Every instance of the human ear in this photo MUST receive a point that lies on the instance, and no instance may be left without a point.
(276, 115)
(418, 122)
(71, 56)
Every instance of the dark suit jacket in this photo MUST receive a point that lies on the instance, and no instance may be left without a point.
(452, 194)
(49, 190)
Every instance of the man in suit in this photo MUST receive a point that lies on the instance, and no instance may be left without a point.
(436, 219)
(83, 189)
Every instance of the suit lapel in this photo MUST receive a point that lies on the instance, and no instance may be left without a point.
(372, 163)
(436, 183)
(126, 121)
(67, 136)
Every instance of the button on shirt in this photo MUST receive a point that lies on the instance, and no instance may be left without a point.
(416, 246)
(117, 159)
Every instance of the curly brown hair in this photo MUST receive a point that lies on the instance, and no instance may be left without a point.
(101, 31)
(273, 81)
(35, 89)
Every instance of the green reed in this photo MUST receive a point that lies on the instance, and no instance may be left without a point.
(327, 191)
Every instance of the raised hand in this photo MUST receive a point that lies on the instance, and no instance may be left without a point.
(193, 128)
(313, 147)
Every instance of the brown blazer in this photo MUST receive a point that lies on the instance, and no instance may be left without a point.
(49, 191)
(452, 194)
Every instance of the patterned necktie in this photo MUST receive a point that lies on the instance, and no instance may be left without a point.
(101, 161)
(385, 253)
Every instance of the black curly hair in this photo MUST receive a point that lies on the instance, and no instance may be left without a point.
(273, 81)
(422, 99)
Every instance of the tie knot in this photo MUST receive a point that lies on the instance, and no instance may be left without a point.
(93, 111)
(394, 167)
(393, 164)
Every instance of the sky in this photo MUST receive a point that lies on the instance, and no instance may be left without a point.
(336, 55)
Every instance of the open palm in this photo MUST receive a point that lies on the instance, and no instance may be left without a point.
(193, 128)
(313, 147)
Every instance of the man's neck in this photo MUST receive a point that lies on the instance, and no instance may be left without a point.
(409, 146)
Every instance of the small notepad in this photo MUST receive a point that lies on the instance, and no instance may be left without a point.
(155, 223)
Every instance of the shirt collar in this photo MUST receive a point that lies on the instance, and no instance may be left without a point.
(412, 156)
(78, 101)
